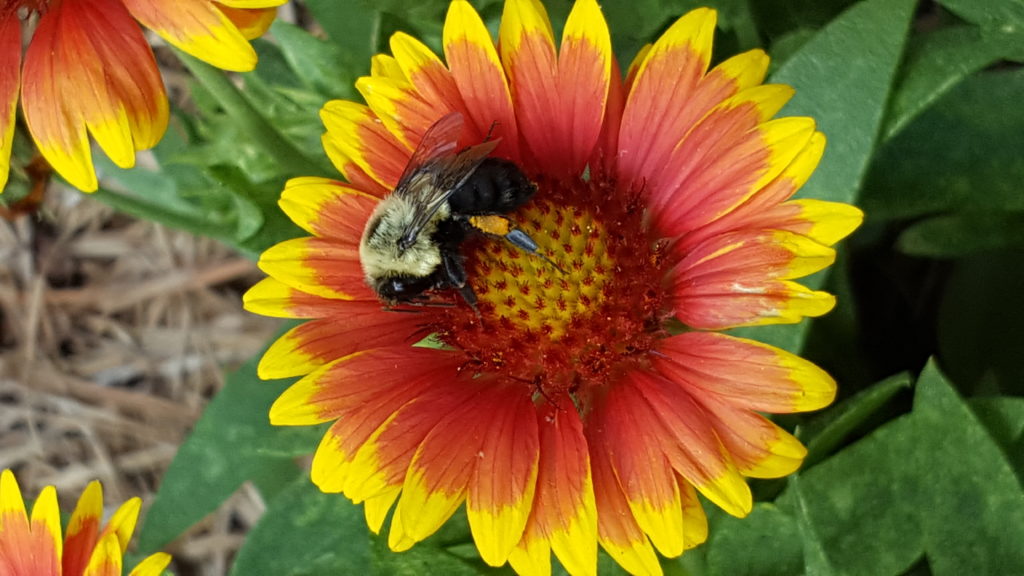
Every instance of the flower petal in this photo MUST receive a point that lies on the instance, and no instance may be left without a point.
(271, 297)
(327, 208)
(75, 78)
(10, 81)
(251, 23)
(315, 266)
(559, 100)
(362, 326)
(106, 558)
(83, 529)
(744, 373)
(742, 279)
(617, 529)
(29, 547)
(199, 28)
(354, 131)
(476, 68)
(663, 99)
(564, 516)
(433, 82)
(153, 565)
(501, 488)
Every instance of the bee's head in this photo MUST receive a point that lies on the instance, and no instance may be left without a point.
(402, 288)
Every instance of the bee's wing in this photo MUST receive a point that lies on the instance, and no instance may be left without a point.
(435, 171)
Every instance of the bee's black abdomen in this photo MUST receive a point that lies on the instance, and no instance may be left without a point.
(496, 187)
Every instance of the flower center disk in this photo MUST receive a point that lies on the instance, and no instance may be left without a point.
(572, 320)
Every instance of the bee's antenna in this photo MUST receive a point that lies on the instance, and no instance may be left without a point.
(490, 131)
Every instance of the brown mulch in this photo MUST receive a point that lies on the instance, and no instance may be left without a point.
(114, 334)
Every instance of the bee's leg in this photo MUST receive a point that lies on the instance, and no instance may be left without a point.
(456, 277)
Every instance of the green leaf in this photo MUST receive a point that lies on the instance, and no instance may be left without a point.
(319, 64)
(1007, 14)
(765, 543)
(837, 425)
(352, 25)
(962, 154)
(973, 520)
(936, 62)
(963, 233)
(306, 532)
(232, 442)
(929, 483)
(843, 77)
(1003, 416)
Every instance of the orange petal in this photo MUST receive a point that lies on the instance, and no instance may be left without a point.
(617, 529)
(83, 529)
(744, 373)
(10, 81)
(319, 267)
(355, 135)
(106, 558)
(559, 100)
(742, 279)
(199, 28)
(29, 546)
(251, 23)
(564, 516)
(76, 78)
(664, 99)
(476, 69)
(501, 488)
(327, 208)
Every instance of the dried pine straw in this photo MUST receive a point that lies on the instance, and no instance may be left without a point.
(114, 334)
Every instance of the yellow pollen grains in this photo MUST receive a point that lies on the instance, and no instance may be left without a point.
(520, 290)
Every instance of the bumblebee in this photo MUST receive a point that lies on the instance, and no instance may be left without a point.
(412, 241)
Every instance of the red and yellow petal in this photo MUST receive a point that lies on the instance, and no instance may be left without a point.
(822, 221)
(647, 413)
(476, 68)
(617, 529)
(744, 373)
(83, 530)
(315, 266)
(355, 135)
(361, 326)
(432, 81)
(743, 279)
(758, 447)
(200, 28)
(564, 516)
(251, 23)
(559, 99)
(663, 99)
(10, 81)
(28, 546)
(271, 297)
(106, 558)
(327, 208)
(504, 479)
(89, 67)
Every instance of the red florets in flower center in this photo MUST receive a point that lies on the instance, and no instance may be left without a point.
(577, 325)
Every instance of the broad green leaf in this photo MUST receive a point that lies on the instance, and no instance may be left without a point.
(837, 425)
(973, 519)
(319, 64)
(963, 233)
(1003, 417)
(352, 25)
(930, 483)
(860, 506)
(232, 442)
(779, 17)
(843, 77)
(936, 62)
(980, 324)
(306, 532)
(963, 153)
(1005, 14)
(765, 543)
